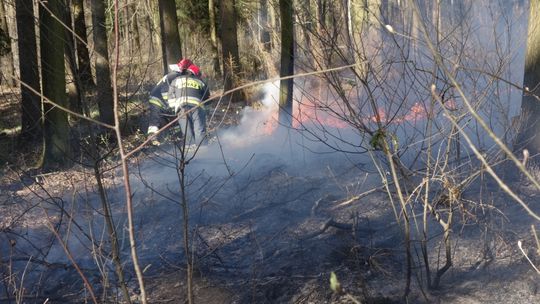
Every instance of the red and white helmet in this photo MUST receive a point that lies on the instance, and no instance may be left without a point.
(193, 69)
(183, 64)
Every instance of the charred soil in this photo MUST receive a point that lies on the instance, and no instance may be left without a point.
(263, 229)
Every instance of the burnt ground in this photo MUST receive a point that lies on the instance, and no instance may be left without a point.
(259, 220)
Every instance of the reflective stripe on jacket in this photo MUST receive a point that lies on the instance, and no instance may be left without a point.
(187, 89)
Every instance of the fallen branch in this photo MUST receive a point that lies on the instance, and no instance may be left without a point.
(331, 223)
(359, 196)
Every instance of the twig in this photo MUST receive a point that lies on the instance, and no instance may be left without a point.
(70, 256)
(331, 223)
(361, 195)
(527, 257)
(125, 169)
(536, 239)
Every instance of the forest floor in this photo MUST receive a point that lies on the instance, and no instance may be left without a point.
(267, 228)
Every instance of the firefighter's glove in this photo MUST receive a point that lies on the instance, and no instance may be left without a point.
(151, 131)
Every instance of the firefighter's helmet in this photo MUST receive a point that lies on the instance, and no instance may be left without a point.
(184, 64)
(193, 69)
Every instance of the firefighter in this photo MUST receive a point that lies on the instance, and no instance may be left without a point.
(180, 92)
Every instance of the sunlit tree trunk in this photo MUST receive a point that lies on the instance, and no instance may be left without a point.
(359, 23)
(306, 21)
(123, 28)
(103, 72)
(229, 45)
(81, 42)
(273, 24)
(213, 36)
(74, 82)
(28, 66)
(320, 11)
(264, 40)
(150, 15)
(264, 33)
(171, 46)
(133, 25)
(56, 131)
(6, 52)
(529, 136)
(287, 63)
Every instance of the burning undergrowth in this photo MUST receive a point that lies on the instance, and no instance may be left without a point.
(266, 202)
(262, 201)
(273, 207)
(272, 210)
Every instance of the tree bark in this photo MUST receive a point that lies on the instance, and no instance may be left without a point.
(31, 127)
(133, 26)
(264, 33)
(287, 63)
(103, 71)
(56, 131)
(213, 36)
(229, 46)
(6, 52)
(74, 83)
(151, 18)
(81, 42)
(171, 46)
(358, 27)
(529, 133)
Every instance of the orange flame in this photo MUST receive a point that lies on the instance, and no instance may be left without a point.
(306, 112)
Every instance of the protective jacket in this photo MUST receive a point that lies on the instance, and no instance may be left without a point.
(175, 94)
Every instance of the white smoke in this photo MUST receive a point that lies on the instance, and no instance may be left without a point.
(253, 123)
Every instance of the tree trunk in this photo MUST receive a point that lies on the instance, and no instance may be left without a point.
(134, 24)
(170, 37)
(307, 29)
(320, 11)
(6, 53)
(74, 82)
(359, 24)
(150, 18)
(273, 23)
(103, 72)
(81, 43)
(287, 63)
(529, 135)
(229, 46)
(56, 132)
(213, 36)
(264, 33)
(28, 65)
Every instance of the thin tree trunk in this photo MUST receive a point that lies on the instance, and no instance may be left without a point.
(287, 63)
(307, 33)
(111, 229)
(134, 24)
(74, 85)
(6, 52)
(229, 45)
(156, 23)
(264, 33)
(103, 71)
(320, 8)
(359, 23)
(150, 20)
(213, 36)
(81, 43)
